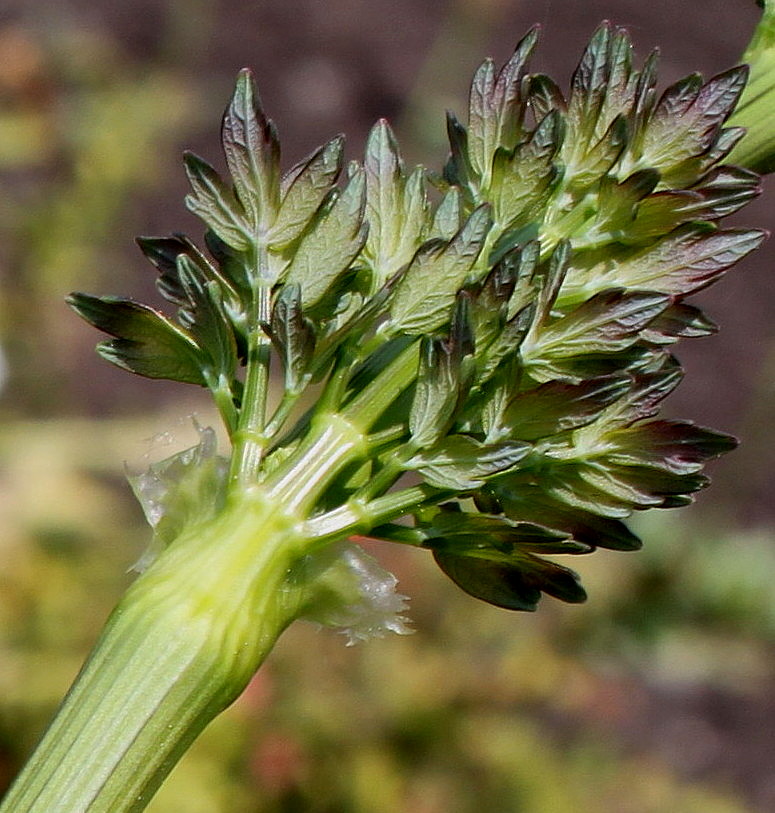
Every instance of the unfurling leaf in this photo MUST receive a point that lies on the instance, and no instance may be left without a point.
(496, 108)
(683, 262)
(559, 407)
(522, 179)
(531, 503)
(396, 205)
(207, 322)
(605, 323)
(448, 217)
(437, 393)
(687, 122)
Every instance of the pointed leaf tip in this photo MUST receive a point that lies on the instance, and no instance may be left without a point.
(252, 151)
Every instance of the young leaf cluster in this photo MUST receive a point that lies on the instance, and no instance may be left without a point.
(488, 356)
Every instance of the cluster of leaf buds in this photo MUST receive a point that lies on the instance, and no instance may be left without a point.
(486, 360)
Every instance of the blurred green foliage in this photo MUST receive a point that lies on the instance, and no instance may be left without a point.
(83, 133)
(653, 697)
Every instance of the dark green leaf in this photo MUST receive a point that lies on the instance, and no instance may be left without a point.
(558, 407)
(529, 502)
(145, 342)
(515, 586)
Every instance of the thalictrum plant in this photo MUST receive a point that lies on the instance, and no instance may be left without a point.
(470, 362)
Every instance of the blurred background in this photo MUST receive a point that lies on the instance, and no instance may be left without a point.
(658, 695)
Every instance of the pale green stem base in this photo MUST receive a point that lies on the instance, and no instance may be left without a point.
(180, 647)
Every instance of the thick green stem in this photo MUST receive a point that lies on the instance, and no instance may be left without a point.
(367, 406)
(332, 444)
(180, 647)
(756, 110)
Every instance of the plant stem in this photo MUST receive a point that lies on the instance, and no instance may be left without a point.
(180, 647)
(333, 443)
(357, 516)
(755, 109)
(369, 404)
(250, 440)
